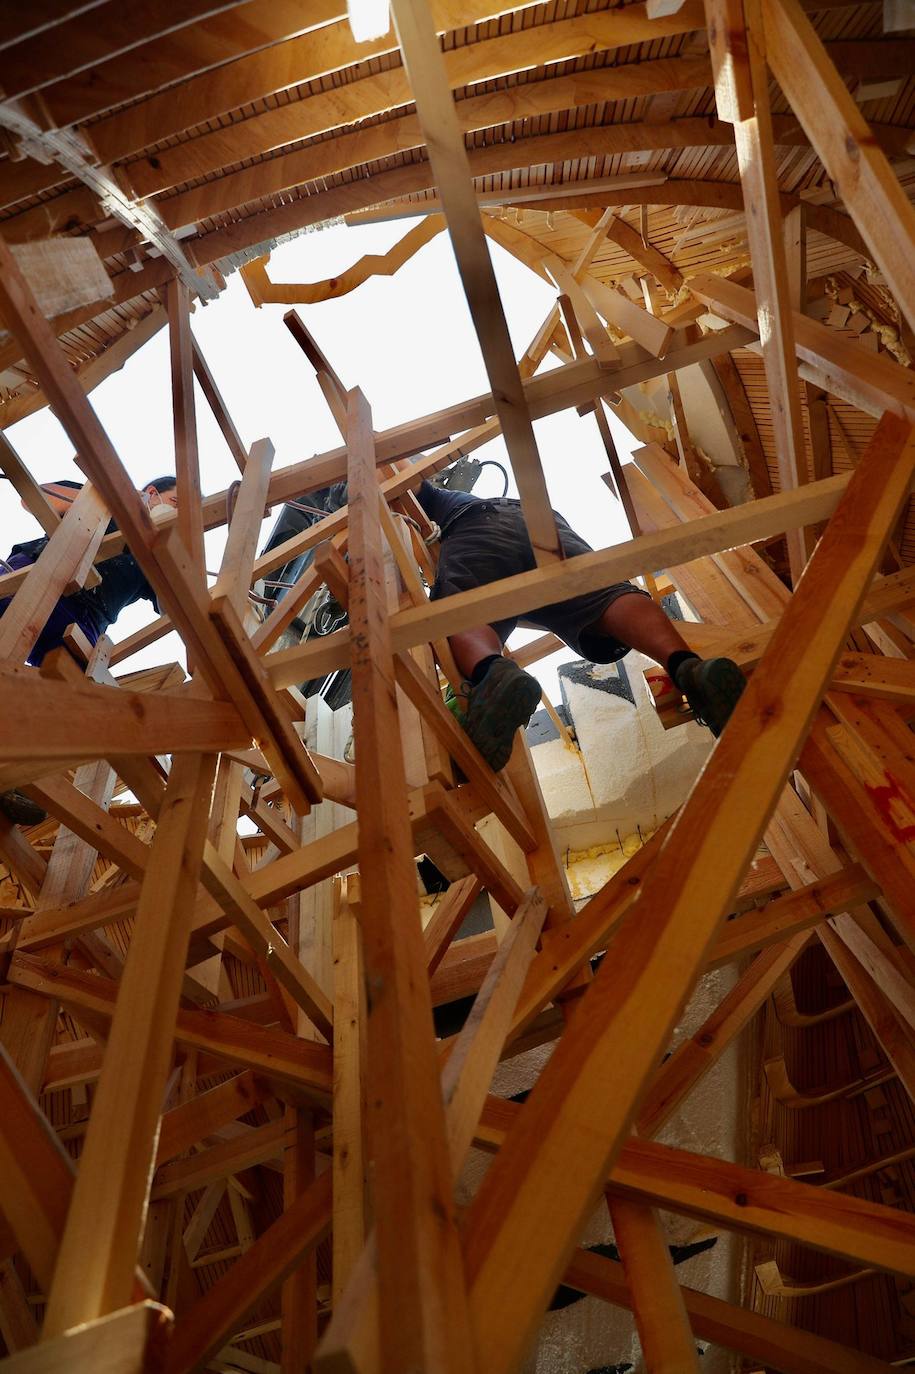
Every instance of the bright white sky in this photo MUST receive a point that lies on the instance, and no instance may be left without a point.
(407, 341)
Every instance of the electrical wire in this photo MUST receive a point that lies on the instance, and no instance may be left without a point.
(491, 463)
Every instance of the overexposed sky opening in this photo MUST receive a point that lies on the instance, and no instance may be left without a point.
(407, 341)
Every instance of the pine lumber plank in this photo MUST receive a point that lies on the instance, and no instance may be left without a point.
(82, 40)
(566, 948)
(271, 725)
(844, 142)
(350, 1162)
(508, 1219)
(219, 880)
(168, 566)
(111, 1193)
(628, 317)
(572, 384)
(574, 298)
(677, 1077)
(871, 382)
(278, 51)
(703, 582)
(759, 182)
(727, 38)
(447, 816)
(645, 254)
(475, 1052)
(92, 824)
(184, 416)
(790, 1350)
(57, 923)
(874, 675)
(448, 917)
(24, 861)
(186, 1124)
(587, 572)
(423, 1311)
(17, 1323)
(230, 666)
(272, 1054)
(387, 90)
(255, 1145)
(65, 879)
(435, 106)
(731, 1195)
(869, 805)
(667, 1343)
(28, 490)
(763, 592)
(794, 911)
(203, 47)
(357, 196)
(244, 530)
(735, 396)
(884, 596)
(878, 1011)
(262, 289)
(799, 847)
(36, 1173)
(259, 1272)
(37, 714)
(212, 393)
(131, 1341)
(78, 535)
(298, 1297)
(565, 951)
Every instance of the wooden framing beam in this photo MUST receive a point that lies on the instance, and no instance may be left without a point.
(261, 1269)
(736, 1197)
(845, 144)
(273, 1054)
(742, 87)
(423, 1307)
(435, 106)
(869, 382)
(761, 742)
(788, 1349)
(94, 1271)
(587, 572)
(187, 462)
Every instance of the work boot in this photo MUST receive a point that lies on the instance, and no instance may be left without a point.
(20, 809)
(713, 687)
(505, 699)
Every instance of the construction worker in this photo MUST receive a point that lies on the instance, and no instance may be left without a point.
(121, 583)
(483, 541)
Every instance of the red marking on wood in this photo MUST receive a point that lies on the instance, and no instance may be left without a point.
(883, 799)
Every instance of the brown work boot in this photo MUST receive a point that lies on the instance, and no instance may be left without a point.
(499, 705)
(713, 687)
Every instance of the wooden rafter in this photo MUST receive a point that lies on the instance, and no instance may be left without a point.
(219, 998)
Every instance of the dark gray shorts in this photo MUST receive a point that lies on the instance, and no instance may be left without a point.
(490, 542)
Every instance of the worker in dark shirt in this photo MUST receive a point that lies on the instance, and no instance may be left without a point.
(483, 541)
(93, 609)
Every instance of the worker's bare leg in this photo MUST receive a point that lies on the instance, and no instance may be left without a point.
(633, 620)
(711, 686)
(470, 647)
(638, 621)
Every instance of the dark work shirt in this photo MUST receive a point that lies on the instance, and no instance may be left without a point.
(443, 506)
(95, 608)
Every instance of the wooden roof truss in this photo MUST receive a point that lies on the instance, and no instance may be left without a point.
(229, 1137)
